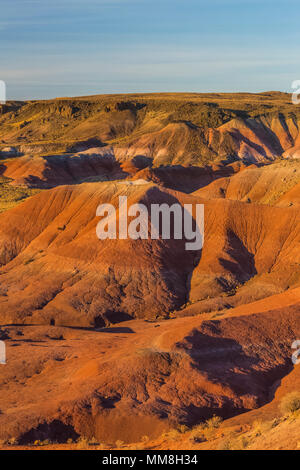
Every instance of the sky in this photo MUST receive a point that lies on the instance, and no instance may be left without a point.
(52, 48)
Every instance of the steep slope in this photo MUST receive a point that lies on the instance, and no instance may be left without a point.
(118, 339)
(251, 140)
(169, 129)
(51, 171)
(75, 278)
(276, 184)
(54, 269)
(65, 382)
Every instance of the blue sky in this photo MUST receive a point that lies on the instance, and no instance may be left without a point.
(71, 47)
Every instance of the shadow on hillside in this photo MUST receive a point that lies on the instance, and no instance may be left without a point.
(242, 262)
(115, 329)
(178, 257)
(233, 364)
(58, 170)
(189, 179)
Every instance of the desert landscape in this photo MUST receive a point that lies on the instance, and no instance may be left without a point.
(140, 344)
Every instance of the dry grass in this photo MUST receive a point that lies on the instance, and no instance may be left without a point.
(50, 124)
(290, 403)
(11, 196)
(84, 443)
(278, 433)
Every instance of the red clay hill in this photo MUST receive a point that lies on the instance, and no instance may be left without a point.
(118, 339)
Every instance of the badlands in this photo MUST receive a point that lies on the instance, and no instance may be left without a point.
(141, 343)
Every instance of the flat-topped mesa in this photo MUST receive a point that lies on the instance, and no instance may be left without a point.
(170, 129)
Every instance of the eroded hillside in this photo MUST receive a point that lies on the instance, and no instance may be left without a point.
(102, 334)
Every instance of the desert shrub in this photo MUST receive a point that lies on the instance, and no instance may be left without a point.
(240, 443)
(197, 436)
(172, 434)
(12, 441)
(93, 442)
(182, 428)
(119, 444)
(243, 442)
(275, 422)
(46, 442)
(290, 403)
(224, 445)
(82, 443)
(261, 427)
(214, 422)
(257, 428)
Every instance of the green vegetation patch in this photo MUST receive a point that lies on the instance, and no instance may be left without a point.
(11, 196)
